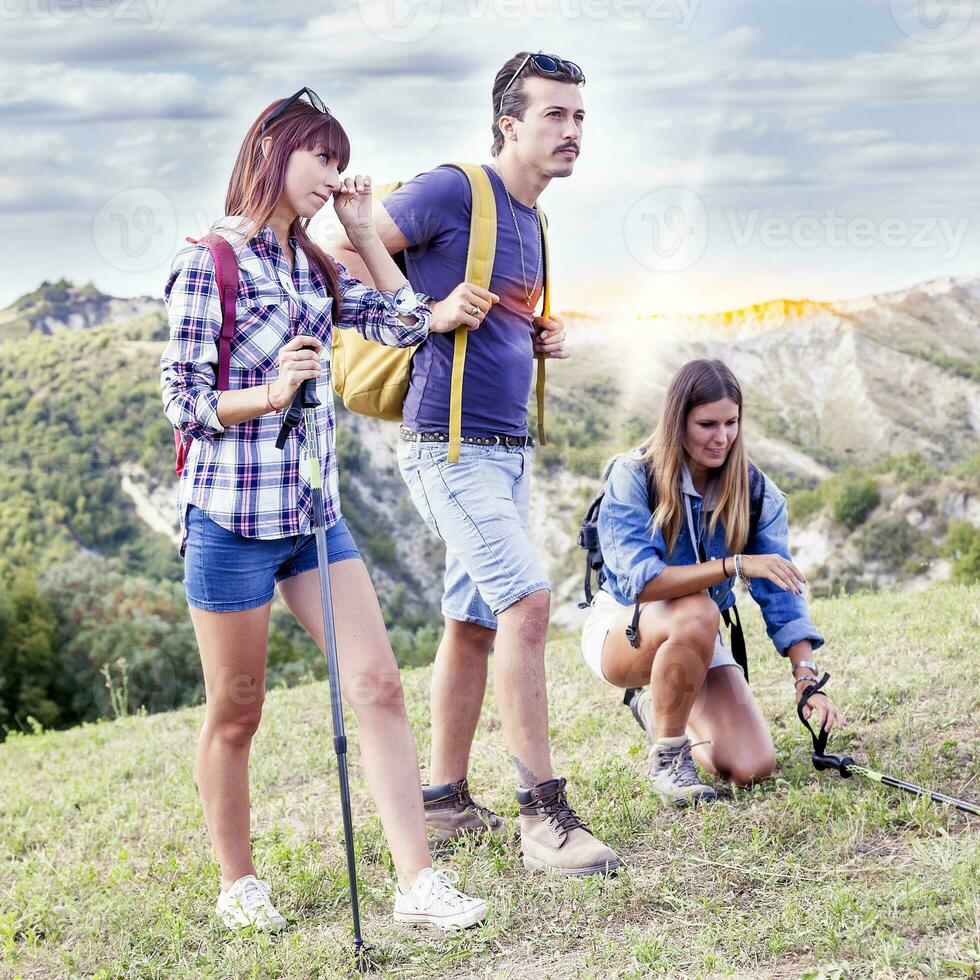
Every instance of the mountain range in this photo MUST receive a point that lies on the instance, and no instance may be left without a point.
(830, 388)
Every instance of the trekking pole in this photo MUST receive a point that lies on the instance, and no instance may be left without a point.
(304, 406)
(847, 767)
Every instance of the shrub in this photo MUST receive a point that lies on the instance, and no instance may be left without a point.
(963, 547)
(856, 497)
(804, 504)
(30, 668)
(896, 545)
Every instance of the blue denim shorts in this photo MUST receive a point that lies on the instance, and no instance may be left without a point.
(226, 572)
(479, 507)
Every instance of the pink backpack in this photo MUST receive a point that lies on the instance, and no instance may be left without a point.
(226, 275)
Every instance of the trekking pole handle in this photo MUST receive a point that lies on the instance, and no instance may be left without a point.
(306, 395)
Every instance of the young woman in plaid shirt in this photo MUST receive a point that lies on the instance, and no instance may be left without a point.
(245, 506)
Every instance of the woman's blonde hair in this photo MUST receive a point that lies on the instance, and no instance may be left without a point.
(697, 383)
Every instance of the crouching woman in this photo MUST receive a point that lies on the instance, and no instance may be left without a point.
(676, 527)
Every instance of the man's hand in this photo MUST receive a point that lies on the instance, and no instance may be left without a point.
(549, 336)
(465, 306)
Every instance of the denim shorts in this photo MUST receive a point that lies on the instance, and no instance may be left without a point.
(226, 572)
(479, 507)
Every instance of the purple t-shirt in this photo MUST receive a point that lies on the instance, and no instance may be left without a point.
(432, 211)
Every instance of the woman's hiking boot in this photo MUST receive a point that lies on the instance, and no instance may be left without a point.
(673, 774)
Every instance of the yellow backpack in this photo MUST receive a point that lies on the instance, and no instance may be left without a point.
(372, 379)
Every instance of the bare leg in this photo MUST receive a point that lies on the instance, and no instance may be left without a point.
(677, 639)
(233, 648)
(372, 686)
(459, 682)
(727, 715)
(519, 685)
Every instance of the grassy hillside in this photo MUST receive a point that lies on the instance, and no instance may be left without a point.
(105, 869)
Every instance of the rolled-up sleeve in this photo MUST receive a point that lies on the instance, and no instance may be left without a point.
(371, 313)
(189, 363)
(786, 615)
(632, 552)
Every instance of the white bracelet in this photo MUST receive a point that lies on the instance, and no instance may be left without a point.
(739, 574)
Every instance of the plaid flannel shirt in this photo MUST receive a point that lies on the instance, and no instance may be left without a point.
(234, 473)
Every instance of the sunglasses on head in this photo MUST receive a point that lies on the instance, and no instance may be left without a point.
(547, 63)
(311, 96)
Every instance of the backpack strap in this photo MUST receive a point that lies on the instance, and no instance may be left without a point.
(545, 311)
(226, 278)
(757, 494)
(479, 266)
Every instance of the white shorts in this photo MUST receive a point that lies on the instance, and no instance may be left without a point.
(605, 609)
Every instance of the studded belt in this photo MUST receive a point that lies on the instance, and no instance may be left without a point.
(510, 442)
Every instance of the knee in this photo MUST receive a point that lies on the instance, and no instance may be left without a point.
(376, 690)
(470, 639)
(234, 717)
(694, 621)
(532, 614)
(750, 769)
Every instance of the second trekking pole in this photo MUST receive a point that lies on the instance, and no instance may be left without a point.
(304, 406)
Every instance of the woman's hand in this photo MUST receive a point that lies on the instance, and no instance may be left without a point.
(354, 206)
(465, 306)
(295, 367)
(775, 568)
(826, 712)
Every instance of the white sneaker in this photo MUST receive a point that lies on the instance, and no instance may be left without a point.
(246, 903)
(435, 900)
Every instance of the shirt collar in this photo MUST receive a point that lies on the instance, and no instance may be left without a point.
(687, 487)
(238, 223)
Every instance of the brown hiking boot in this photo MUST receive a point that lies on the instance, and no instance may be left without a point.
(450, 812)
(553, 836)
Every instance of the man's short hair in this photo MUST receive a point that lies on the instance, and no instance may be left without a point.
(515, 100)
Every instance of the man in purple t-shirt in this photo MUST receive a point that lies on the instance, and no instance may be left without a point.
(497, 592)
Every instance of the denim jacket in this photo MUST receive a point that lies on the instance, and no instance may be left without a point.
(633, 554)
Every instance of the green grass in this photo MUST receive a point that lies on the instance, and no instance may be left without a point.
(105, 869)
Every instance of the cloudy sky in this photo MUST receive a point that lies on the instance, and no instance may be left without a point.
(734, 150)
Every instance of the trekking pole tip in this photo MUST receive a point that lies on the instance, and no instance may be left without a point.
(362, 955)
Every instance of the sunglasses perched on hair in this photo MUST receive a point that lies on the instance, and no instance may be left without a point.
(312, 98)
(549, 64)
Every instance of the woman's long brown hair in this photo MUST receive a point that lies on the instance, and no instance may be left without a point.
(698, 383)
(257, 180)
